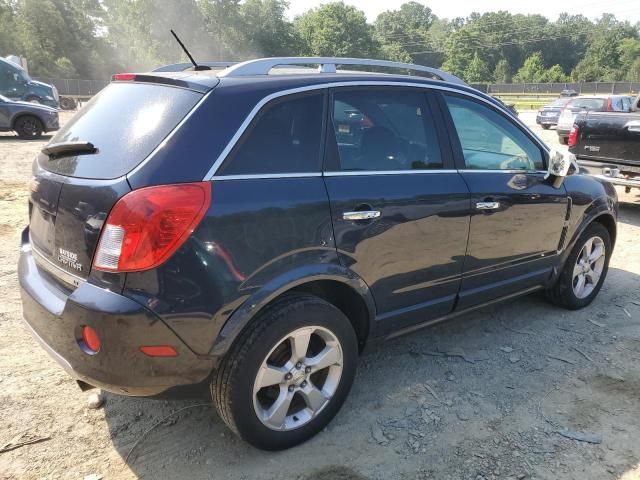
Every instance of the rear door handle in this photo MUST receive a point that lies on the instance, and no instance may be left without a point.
(361, 215)
(487, 205)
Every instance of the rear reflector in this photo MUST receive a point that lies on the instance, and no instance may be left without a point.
(573, 136)
(146, 226)
(90, 340)
(159, 351)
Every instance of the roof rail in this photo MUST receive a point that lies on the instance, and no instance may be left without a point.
(262, 66)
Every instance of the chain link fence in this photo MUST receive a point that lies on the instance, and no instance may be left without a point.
(74, 87)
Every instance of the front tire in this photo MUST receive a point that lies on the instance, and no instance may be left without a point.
(288, 374)
(29, 127)
(584, 271)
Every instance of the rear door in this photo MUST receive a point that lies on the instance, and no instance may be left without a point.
(73, 192)
(400, 211)
(517, 217)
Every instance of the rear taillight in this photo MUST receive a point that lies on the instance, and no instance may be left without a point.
(146, 226)
(609, 104)
(573, 136)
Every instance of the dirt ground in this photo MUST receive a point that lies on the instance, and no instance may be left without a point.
(481, 397)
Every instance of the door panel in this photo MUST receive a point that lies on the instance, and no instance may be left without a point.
(517, 217)
(512, 247)
(411, 256)
(400, 220)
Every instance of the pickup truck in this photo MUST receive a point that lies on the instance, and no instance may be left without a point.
(607, 145)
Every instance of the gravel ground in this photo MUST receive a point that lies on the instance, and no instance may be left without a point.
(481, 397)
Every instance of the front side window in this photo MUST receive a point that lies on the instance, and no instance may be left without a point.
(491, 141)
(384, 129)
(284, 138)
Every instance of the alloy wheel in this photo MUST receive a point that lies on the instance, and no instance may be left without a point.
(588, 268)
(298, 378)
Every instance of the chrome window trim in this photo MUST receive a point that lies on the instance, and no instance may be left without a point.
(364, 173)
(47, 265)
(497, 170)
(267, 176)
(321, 86)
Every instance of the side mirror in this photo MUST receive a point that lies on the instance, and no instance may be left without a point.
(559, 165)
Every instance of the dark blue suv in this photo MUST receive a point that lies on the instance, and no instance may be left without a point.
(254, 228)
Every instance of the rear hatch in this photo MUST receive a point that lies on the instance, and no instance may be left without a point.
(82, 172)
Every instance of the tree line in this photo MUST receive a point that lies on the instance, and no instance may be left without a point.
(95, 38)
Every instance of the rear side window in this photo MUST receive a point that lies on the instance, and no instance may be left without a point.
(489, 140)
(125, 122)
(284, 138)
(384, 130)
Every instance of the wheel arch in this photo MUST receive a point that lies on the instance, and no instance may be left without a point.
(336, 285)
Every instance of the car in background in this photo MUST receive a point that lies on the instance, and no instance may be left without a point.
(28, 120)
(593, 103)
(607, 145)
(16, 84)
(568, 92)
(548, 115)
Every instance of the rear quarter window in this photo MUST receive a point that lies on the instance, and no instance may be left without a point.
(125, 122)
(285, 137)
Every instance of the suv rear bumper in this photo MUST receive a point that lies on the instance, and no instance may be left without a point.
(55, 317)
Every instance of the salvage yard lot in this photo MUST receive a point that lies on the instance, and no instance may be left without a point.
(484, 396)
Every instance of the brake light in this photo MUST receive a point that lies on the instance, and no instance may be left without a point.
(573, 136)
(146, 226)
(123, 77)
(609, 104)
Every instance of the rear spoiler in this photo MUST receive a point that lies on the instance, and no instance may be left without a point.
(189, 80)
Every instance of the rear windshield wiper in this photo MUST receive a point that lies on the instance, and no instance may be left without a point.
(65, 149)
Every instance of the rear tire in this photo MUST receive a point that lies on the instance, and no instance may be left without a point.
(28, 127)
(67, 103)
(578, 285)
(546, 127)
(264, 370)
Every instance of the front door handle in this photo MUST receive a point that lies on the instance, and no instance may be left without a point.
(487, 205)
(361, 215)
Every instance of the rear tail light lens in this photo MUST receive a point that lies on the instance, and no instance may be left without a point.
(609, 104)
(573, 136)
(146, 226)
(90, 340)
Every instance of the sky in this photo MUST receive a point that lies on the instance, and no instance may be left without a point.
(622, 9)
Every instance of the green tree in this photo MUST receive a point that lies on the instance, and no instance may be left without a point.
(531, 71)
(335, 29)
(502, 72)
(477, 70)
(555, 74)
(265, 31)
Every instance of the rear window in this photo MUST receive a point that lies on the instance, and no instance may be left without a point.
(589, 103)
(125, 122)
(558, 103)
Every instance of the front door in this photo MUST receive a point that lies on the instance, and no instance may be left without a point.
(517, 217)
(400, 211)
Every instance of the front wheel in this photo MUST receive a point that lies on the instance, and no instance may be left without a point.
(585, 269)
(288, 373)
